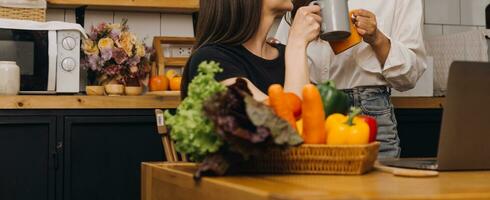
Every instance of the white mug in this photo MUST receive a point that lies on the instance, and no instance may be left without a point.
(9, 78)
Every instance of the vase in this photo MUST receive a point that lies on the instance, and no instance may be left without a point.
(9, 78)
(114, 89)
(95, 90)
(133, 90)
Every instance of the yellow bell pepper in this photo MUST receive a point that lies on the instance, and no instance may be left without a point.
(347, 130)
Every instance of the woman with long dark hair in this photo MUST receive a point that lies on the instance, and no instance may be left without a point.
(234, 33)
(392, 55)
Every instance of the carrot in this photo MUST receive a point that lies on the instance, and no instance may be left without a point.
(313, 116)
(277, 100)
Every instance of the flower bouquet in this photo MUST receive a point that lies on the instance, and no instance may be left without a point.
(113, 55)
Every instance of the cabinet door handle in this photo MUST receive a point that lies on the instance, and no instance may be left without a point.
(58, 150)
(55, 160)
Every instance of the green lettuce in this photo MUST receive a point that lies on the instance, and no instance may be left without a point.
(193, 133)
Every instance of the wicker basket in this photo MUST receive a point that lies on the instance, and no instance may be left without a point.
(316, 159)
(34, 14)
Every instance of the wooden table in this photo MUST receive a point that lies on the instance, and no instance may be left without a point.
(175, 182)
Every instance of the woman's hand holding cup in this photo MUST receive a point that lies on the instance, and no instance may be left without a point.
(306, 26)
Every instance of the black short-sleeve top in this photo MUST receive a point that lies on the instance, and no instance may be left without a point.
(237, 61)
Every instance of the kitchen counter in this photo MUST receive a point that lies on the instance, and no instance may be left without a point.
(167, 181)
(163, 101)
(418, 102)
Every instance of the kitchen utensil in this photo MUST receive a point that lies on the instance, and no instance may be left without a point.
(9, 78)
(405, 172)
(336, 21)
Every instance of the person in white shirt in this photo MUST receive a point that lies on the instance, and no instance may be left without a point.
(392, 55)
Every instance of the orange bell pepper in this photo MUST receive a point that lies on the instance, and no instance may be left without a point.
(347, 130)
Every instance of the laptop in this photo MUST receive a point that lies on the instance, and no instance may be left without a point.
(464, 142)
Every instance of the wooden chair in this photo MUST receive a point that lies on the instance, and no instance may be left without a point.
(162, 63)
(168, 145)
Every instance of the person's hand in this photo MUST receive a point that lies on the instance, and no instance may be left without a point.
(367, 27)
(306, 25)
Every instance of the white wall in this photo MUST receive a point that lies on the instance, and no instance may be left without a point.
(452, 16)
(441, 17)
(145, 25)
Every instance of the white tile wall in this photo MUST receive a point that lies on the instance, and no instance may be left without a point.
(432, 30)
(473, 12)
(442, 12)
(176, 25)
(451, 29)
(70, 16)
(95, 17)
(145, 25)
(453, 16)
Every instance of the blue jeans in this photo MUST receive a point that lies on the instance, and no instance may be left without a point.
(375, 102)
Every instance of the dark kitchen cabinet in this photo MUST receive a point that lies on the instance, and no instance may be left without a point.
(75, 154)
(103, 155)
(27, 157)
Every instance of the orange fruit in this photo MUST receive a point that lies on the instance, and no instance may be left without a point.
(294, 103)
(170, 74)
(175, 83)
(159, 83)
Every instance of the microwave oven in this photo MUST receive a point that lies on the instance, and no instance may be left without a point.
(48, 54)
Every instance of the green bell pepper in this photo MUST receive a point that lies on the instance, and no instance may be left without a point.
(334, 101)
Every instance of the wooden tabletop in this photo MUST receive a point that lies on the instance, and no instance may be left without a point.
(89, 102)
(167, 181)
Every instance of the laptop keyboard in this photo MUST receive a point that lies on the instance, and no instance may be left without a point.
(411, 163)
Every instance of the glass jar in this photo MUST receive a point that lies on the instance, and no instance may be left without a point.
(9, 78)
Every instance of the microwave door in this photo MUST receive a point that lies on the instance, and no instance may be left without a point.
(29, 49)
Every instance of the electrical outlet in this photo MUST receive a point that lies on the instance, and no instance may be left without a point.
(180, 50)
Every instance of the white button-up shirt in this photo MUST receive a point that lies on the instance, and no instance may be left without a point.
(401, 21)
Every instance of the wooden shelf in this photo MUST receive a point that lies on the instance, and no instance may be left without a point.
(164, 93)
(175, 62)
(89, 102)
(418, 102)
(170, 6)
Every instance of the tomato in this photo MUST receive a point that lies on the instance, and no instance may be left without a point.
(294, 103)
(158, 83)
